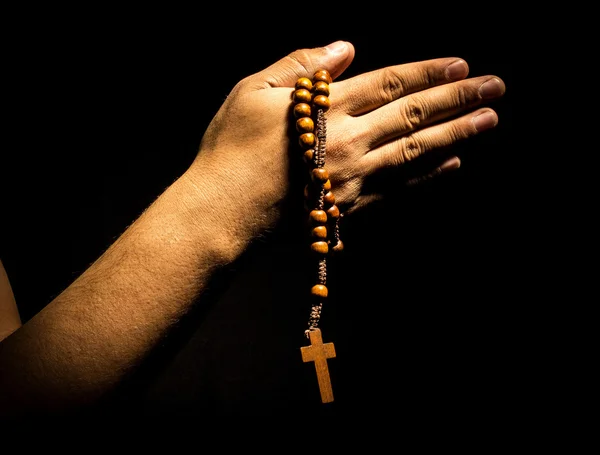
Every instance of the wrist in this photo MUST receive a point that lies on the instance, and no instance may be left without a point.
(215, 224)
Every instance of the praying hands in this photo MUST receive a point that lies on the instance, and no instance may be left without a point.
(101, 328)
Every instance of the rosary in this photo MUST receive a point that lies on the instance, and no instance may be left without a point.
(310, 102)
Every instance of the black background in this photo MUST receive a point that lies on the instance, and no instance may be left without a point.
(107, 108)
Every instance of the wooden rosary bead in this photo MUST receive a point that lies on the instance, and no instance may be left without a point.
(305, 125)
(319, 232)
(302, 95)
(302, 110)
(320, 174)
(321, 88)
(304, 82)
(322, 102)
(322, 75)
(309, 156)
(333, 212)
(319, 290)
(329, 198)
(320, 247)
(317, 216)
(307, 140)
(311, 97)
(338, 247)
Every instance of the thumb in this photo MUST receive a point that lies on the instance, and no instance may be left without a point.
(335, 58)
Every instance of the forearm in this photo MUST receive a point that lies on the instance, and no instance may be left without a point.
(10, 319)
(100, 328)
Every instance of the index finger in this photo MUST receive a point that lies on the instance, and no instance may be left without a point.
(369, 91)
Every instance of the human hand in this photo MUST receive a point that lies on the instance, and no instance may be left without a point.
(385, 119)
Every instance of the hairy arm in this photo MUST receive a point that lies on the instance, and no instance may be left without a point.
(100, 327)
(10, 319)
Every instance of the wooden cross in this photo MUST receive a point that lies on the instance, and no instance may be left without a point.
(319, 353)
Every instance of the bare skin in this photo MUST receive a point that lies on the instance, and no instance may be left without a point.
(99, 329)
(10, 320)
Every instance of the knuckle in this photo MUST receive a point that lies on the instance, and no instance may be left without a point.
(300, 58)
(431, 76)
(392, 84)
(414, 112)
(403, 151)
(457, 132)
(463, 96)
(410, 149)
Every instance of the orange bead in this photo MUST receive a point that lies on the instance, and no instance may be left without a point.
(322, 75)
(318, 216)
(305, 125)
(320, 247)
(329, 198)
(304, 82)
(319, 290)
(319, 232)
(338, 247)
(307, 140)
(302, 110)
(333, 212)
(320, 174)
(327, 185)
(302, 96)
(309, 155)
(321, 88)
(322, 102)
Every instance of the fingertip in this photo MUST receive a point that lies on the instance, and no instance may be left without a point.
(338, 47)
(451, 164)
(493, 87)
(485, 120)
(342, 53)
(457, 70)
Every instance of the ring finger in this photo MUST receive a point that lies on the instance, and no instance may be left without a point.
(424, 108)
(437, 136)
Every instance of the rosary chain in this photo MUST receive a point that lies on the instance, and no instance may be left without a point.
(311, 99)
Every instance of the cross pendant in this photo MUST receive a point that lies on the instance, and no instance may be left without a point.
(319, 353)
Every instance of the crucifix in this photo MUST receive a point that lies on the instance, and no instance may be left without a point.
(319, 353)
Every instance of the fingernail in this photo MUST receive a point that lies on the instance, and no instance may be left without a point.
(337, 48)
(492, 88)
(485, 121)
(457, 70)
(451, 164)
